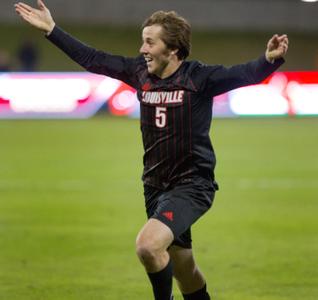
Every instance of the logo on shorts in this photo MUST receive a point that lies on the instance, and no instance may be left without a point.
(168, 215)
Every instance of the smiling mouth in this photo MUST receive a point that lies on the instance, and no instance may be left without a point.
(148, 60)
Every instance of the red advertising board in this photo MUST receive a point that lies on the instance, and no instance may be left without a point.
(81, 95)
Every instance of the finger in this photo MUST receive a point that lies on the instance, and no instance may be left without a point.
(22, 10)
(25, 6)
(273, 43)
(24, 16)
(282, 37)
(271, 40)
(41, 4)
(275, 37)
(274, 40)
(283, 44)
(286, 41)
(284, 48)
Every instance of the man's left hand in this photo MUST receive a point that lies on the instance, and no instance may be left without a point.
(277, 47)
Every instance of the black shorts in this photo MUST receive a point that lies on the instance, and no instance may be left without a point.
(180, 206)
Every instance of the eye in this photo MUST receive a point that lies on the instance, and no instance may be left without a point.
(149, 42)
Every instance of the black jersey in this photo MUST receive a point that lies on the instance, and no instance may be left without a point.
(176, 112)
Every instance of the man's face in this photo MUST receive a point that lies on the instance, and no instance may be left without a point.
(154, 50)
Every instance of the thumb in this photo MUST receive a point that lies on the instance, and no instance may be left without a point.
(274, 38)
(272, 42)
(41, 4)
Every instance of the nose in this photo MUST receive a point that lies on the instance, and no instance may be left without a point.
(143, 49)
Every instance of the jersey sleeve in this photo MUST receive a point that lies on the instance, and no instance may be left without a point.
(95, 61)
(219, 79)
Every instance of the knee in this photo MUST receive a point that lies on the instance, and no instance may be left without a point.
(146, 250)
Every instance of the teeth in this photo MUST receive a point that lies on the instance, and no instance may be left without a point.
(148, 59)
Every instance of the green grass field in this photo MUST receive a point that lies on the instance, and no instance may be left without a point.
(71, 205)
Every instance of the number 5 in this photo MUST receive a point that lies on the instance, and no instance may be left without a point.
(161, 116)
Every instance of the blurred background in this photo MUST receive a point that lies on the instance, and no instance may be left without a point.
(71, 199)
(224, 31)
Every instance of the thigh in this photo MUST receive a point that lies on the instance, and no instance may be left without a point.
(179, 207)
(155, 236)
(183, 205)
(184, 240)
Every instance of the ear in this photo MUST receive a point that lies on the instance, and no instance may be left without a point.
(174, 52)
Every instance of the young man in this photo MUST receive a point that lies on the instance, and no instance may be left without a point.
(176, 111)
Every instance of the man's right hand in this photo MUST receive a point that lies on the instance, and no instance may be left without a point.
(39, 18)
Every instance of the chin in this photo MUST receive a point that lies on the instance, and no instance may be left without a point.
(151, 71)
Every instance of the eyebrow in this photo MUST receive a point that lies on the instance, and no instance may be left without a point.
(148, 39)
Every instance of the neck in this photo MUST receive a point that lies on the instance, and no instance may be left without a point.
(170, 68)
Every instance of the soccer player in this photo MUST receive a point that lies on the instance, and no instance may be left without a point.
(176, 110)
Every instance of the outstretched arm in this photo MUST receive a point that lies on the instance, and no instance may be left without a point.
(92, 60)
(277, 47)
(221, 79)
(39, 17)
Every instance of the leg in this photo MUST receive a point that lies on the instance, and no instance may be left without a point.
(152, 243)
(151, 246)
(189, 278)
(171, 213)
